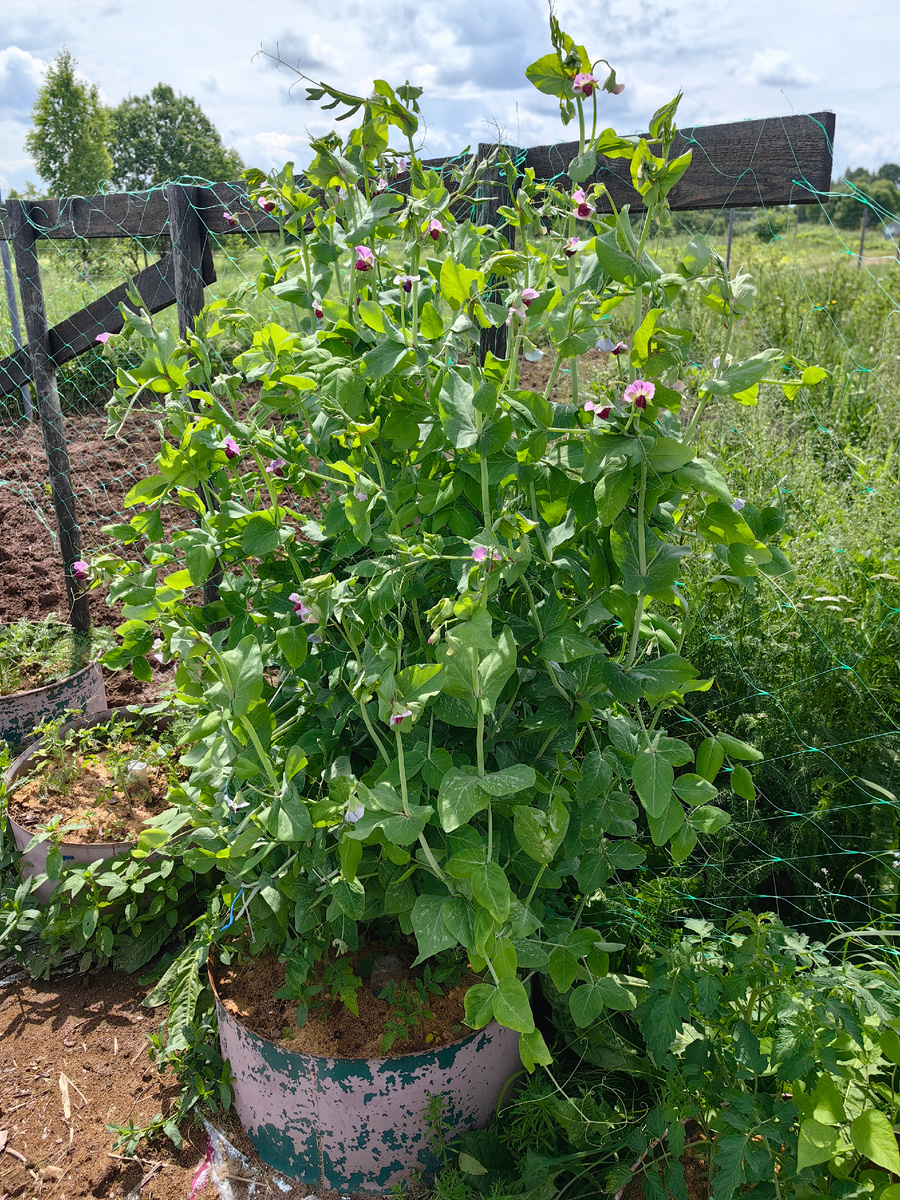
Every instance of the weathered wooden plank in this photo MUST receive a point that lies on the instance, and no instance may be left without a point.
(742, 164)
(78, 333)
(779, 160)
(43, 373)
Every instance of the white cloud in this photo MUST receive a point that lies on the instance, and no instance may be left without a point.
(20, 78)
(779, 68)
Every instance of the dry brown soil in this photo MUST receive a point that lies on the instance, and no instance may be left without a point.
(73, 1056)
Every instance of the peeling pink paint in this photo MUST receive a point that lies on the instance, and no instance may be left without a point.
(359, 1124)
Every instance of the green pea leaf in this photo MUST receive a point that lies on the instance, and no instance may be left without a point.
(490, 888)
(694, 790)
(479, 1005)
(873, 1137)
(511, 1006)
(709, 819)
(735, 748)
(653, 779)
(432, 935)
(533, 1050)
(710, 756)
(742, 783)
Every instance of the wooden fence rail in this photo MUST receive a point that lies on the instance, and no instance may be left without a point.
(748, 164)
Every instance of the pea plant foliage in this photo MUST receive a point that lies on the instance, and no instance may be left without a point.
(444, 704)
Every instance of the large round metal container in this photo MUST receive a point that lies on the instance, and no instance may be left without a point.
(35, 862)
(20, 712)
(355, 1124)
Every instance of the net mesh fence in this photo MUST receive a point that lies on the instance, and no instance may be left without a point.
(808, 671)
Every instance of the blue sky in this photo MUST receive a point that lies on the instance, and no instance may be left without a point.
(733, 60)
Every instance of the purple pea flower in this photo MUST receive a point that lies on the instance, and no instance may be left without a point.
(381, 185)
(230, 219)
(639, 392)
(519, 312)
(618, 348)
(435, 229)
(529, 294)
(314, 639)
(572, 246)
(352, 815)
(318, 312)
(360, 493)
(231, 448)
(584, 83)
(156, 651)
(397, 718)
(103, 338)
(605, 344)
(267, 206)
(582, 208)
(81, 570)
(276, 467)
(599, 410)
(365, 258)
(406, 281)
(737, 503)
(400, 166)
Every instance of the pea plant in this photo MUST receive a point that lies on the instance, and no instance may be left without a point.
(438, 684)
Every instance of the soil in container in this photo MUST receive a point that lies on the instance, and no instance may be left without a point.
(100, 784)
(400, 1009)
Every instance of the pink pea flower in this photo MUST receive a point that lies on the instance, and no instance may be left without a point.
(81, 570)
(231, 448)
(584, 83)
(276, 467)
(610, 85)
(267, 206)
(406, 281)
(619, 348)
(318, 312)
(156, 651)
(230, 219)
(360, 493)
(103, 338)
(400, 166)
(397, 718)
(529, 294)
(582, 207)
(519, 312)
(302, 610)
(365, 258)
(639, 392)
(598, 410)
(572, 246)
(435, 229)
(381, 185)
(482, 553)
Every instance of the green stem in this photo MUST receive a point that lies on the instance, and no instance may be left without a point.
(257, 745)
(372, 734)
(401, 764)
(534, 886)
(551, 382)
(432, 861)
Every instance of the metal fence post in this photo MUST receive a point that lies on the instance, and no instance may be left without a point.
(494, 339)
(43, 373)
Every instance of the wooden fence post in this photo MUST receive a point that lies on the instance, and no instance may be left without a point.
(189, 245)
(493, 339)
(24, 237)
(15, 328)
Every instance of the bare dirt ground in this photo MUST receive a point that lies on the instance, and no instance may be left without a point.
(73, 1057)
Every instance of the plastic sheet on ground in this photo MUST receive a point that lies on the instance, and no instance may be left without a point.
(235, 1178)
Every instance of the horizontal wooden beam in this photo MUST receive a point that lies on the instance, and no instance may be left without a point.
(78, 333)
(743, 164)
(779, 160)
